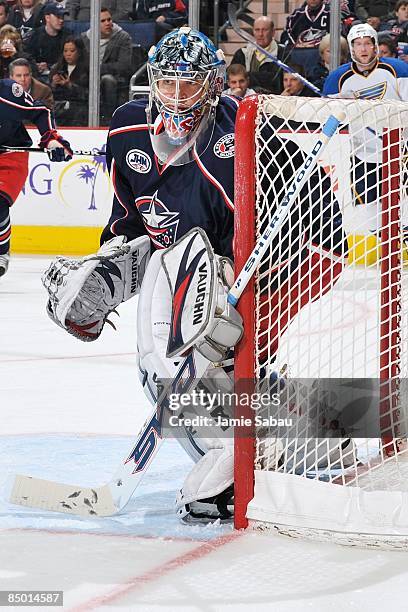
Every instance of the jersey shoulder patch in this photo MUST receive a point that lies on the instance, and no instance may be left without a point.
(17, 90)
(12, 92)
(10, 89)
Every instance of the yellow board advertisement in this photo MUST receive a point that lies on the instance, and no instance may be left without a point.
(63, 206)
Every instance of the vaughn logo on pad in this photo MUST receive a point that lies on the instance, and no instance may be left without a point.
(191, 271)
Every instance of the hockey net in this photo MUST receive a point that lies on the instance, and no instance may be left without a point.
(325, 320)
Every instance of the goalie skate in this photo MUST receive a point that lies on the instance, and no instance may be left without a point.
(219, 508)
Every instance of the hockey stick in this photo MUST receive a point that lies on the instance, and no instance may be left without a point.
(232, 16)
(112, 497)
(89, 153)
(282, 210)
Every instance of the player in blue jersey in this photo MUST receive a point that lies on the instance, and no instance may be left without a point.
(367, 77)
(17, 105)
(171, 160)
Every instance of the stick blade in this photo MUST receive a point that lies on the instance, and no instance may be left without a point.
(58, 497)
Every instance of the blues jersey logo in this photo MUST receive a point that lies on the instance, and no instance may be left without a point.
(160, 222)
(138, 161)
(374, 92)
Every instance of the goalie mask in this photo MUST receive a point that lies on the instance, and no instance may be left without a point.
(186, 77)
(360, 31)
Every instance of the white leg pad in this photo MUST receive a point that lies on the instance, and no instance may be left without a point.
(211, 475)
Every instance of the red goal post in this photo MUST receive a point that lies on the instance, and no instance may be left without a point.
(325, 307)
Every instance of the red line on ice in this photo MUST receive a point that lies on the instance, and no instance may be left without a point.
(142, 580)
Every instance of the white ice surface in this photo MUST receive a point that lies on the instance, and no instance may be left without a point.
(68, 412)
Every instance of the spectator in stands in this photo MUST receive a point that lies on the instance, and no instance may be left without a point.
(45, 43)
(292, 86)
(398, 26)
(307, 25)
(168, 14)
(374, 22)
(20, 70)
(320, 71)
(4, 11)
(80, 10)
(346, 6)
(387, 46)
(26, 15)
(11, 48)
(116, 63)
(69, 79)
(238, 81)
(378, 8)
(263, 72)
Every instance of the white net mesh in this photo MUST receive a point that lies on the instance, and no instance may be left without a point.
(330, 303)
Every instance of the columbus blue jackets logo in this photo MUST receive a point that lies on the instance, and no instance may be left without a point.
(138, 161)
(17, 90)
(159, 221)
(224, 147)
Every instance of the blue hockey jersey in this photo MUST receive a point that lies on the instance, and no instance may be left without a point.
(165, 201)
(16, 105)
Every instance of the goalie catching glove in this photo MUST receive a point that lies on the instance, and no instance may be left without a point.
(82, 293)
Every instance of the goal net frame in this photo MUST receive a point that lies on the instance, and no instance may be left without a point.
(390, 264)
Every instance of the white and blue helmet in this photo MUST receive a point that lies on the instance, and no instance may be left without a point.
(186, 76)
(362, 30)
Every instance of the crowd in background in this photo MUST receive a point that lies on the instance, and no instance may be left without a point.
(305, 43)
(44, 46)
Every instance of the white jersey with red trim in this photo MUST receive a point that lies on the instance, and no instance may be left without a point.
(165, 201)
(16, 105)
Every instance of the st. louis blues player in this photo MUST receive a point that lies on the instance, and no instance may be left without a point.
(171, 164)
(367, 77)
(15, 106)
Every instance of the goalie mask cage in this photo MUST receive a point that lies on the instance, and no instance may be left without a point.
(327, 305)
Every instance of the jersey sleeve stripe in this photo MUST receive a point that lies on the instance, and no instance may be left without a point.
(232, 98)
(31, 108)
(113, 173)
(344, 77)
(214, 181)
(128, 128)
